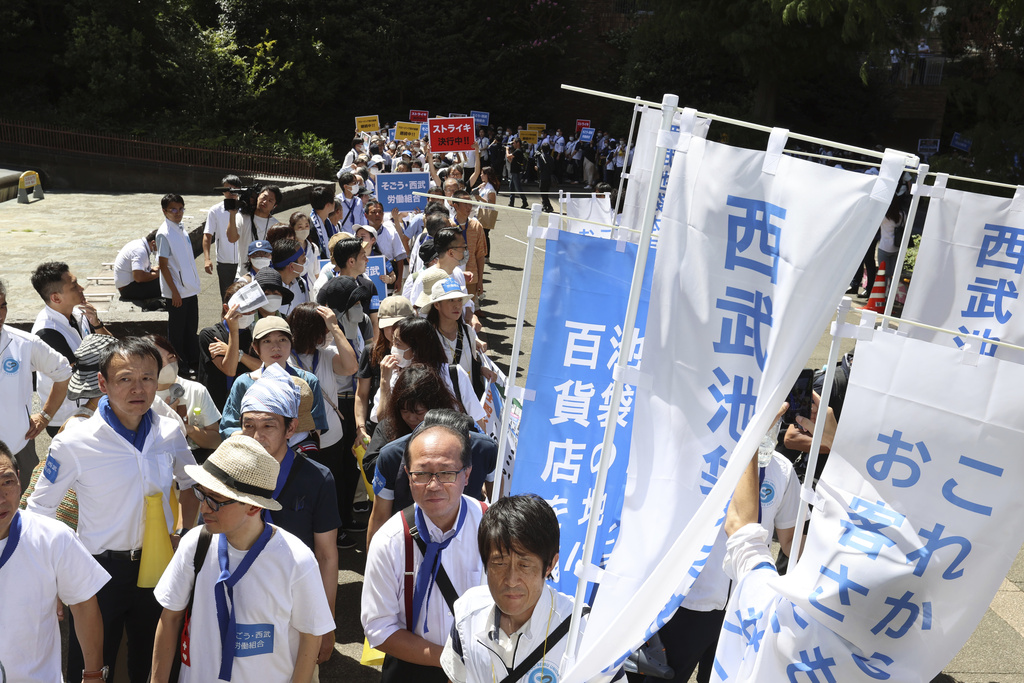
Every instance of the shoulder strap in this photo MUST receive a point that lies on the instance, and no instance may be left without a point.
(443, 582)
(202, 548)
(546, 645)
(453, 371)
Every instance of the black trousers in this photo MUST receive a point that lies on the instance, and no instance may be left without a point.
(139, 291)
(347, 477)
(225, 276)
(690, 639)
(182, 332)
(125, 608)
(395, 670)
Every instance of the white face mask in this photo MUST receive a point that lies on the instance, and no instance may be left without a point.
(246, 320)
(301, 235)
(354, 315)
(352, 188)
(168, 373)
(273, 302)
(374, 172)
(298, 268)
(465, 258)
(403, 362)
(259, 263)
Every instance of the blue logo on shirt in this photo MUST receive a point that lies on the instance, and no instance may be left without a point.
(767, 493)
(51, 469)
(11, 366)
(542, 672)
(254, 639)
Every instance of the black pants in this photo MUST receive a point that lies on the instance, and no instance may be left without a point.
(225, 276)
(395, 670)
(347, 477)
(140, 291)
(517, 189)
(690, 639)
(125, 608)
(27, 460)
(545, 186)
(182, 331)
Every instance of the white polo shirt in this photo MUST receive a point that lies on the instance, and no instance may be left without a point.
(73, 331)
(21, 354)
(133, 256)
(217, 220)
(49, 563)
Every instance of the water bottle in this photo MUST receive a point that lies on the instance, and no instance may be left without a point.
(767, 447)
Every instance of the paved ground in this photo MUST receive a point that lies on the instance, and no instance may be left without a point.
(86, 230)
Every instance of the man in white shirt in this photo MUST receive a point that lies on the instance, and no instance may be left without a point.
(42, 561)
(134, 276)
(259, 610)
(119, 459)
(254, 225)
(220, 218)
(407, 601)
(179, 282)
(63, 322)
(351, 213)
(21, 354)
(388, 241)
(516, 627)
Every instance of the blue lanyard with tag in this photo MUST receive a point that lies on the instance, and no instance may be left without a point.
(224, 592)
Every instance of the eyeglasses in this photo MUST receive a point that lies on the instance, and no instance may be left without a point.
(424, 478)
(181, 210)
(214, 505)
(459, 246)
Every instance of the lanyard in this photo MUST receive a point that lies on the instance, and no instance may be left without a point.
(12, 539)
(282, 477)
(224, 589)
(316, 360)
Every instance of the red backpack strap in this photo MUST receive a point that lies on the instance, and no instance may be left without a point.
(408, 523)
(483, 506)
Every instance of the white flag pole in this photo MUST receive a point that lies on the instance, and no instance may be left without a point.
(668, 107)
(819, 429)
(894, 282)
(510, 384)
(629, 146)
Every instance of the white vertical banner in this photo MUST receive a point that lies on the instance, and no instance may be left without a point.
(970, 270)
(756, 250)
(593, 208)
(917, 520)
(646, 169)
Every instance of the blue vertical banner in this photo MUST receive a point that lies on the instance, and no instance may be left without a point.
(375, 268)
(578, 340)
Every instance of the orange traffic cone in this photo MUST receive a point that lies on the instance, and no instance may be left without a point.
(876, 302)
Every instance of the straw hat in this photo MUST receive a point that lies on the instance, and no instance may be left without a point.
(85, 379)
(240, 469)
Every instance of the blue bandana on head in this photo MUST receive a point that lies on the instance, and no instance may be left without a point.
(274, 393)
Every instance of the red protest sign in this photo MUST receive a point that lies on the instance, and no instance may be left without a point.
(581, 124)
(418, 115)
(452, 135)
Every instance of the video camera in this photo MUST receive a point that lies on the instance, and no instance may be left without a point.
(245, 201)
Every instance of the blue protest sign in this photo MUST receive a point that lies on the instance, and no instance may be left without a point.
(375, 268)
(395, 190)
(482, 118)
(579, 325)
(586, 134)
(961, 143)
(391, 134)
(424, 130)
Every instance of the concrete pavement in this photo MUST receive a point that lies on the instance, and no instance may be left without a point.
(87, 230)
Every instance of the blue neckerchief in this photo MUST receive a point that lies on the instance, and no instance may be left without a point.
(136, 438)
(315, 362)
(431, 563)
(12, 539)
(282, 477)
(224, 591)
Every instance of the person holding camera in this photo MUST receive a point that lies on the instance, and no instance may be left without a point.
(219, 219)
(255, 204)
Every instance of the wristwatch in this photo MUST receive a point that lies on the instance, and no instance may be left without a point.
(46, 415)
(100, 675)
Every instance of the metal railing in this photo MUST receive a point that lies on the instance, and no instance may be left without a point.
(131, 148)
(915, 69)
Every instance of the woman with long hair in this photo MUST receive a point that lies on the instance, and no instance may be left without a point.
(376, 364)
(320, 347)
(488, 192)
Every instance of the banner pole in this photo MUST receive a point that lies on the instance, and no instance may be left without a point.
(668, 107)
(894, 283)
(506, 409)
(819, 430)
(629, 146)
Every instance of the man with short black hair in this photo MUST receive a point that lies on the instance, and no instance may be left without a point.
(321, 202)
(219, 221)
(254, 225)
(407, 601)
(41, 561)
(179, 282)
(351, 206)
(134, 276)
(388, 241)
(116, 461)
(63, 322)
(515, 628)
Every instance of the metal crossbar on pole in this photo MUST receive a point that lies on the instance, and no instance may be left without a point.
(488, 205)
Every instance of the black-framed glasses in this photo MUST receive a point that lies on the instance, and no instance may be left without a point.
(214, 505)
(424, 478)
